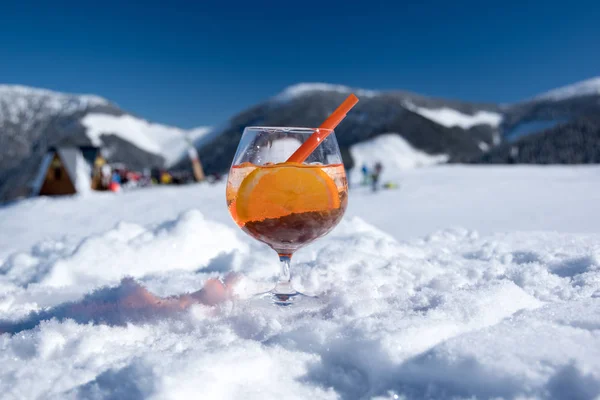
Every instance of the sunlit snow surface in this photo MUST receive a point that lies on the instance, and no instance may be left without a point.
(466, 282)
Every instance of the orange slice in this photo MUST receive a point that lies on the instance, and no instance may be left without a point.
(283, 189)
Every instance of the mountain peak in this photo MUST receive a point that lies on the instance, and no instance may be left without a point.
(583, 88)
(29, 92)
(301, 89)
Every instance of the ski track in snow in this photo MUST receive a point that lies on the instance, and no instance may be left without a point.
(455, 313)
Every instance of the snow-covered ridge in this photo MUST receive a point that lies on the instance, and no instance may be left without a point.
(25, 105)
(450, 117)
(584, 88)
(169, 142)
(57, 98)
(199, 133)
(301, 89)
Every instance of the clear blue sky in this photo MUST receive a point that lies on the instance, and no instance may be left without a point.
(191, 64)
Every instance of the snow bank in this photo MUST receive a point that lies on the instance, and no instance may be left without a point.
(393, 151)
(154, 138)
(450, 117)
(185, 244)
(584, 88)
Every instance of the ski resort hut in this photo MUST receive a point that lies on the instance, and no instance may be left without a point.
(65, 170)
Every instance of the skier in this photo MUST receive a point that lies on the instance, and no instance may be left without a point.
(375, 176)
(365, 172)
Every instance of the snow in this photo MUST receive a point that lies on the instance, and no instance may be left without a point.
(19, 92)
(82, 174)
(26, 106)
(301, 89)
(393, 152)
(466, 282)
(168, 141)
(450, 117)
(199, 133)
(588, 87)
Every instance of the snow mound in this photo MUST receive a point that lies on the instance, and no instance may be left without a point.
(584, 88)
(393, 151)
(164, 140)
(302, 89)
(130, 250)
(450, 117)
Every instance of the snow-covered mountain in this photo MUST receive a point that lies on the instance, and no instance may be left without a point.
(26, 114)
(558, 126)
(589, 87)
(434, 126)
(25, 105)
(32, 120)
(30, 112)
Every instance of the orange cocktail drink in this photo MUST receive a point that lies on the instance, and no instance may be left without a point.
(287, 187)
(287, 205)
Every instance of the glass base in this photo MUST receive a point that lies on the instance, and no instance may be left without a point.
(292, 298)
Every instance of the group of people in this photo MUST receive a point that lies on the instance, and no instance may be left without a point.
(113, 177)
(372, 176)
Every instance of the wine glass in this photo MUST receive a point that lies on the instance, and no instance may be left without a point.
(286, 205)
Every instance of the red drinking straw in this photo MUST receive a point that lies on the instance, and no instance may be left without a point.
(324, 130)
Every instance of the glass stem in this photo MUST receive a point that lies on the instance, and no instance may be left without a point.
(284, 284)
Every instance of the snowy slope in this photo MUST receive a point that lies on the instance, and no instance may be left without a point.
(197, 134)
(167, 141)
(583, 88)
(393, 152)
(450, 117)
(468, 282)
